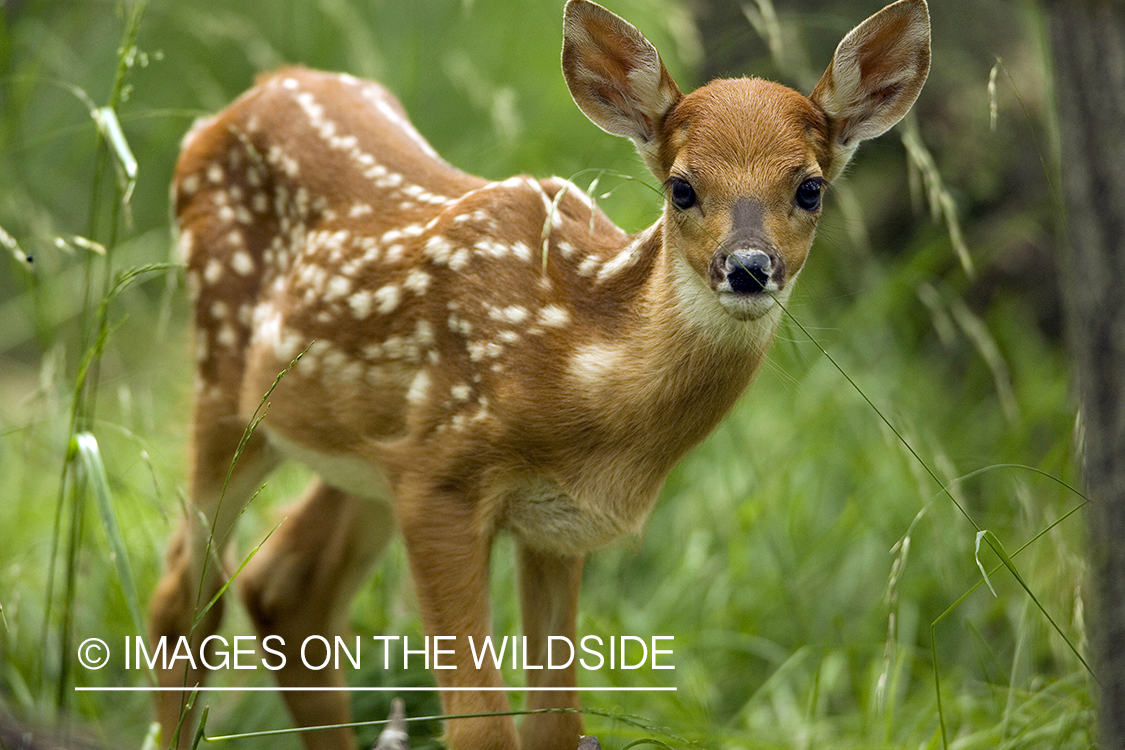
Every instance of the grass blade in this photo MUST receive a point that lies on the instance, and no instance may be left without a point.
(110, 127)
(90, 456)
(976, 556)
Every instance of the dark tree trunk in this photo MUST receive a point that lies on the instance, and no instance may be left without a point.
(1088, 38)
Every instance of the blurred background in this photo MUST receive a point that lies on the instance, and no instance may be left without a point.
(817, 581)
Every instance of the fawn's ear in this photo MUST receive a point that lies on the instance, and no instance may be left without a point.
(615, 76)
(875, 75)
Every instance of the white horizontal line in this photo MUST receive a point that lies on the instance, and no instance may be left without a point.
(205, 689)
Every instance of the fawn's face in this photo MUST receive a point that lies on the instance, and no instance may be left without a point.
(745, 162)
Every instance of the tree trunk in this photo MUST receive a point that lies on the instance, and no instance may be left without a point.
(1088, 39)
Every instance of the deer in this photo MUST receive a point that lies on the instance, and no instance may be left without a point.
(463, 358)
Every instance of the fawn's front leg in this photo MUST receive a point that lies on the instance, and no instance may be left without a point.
(549, 606)
(449, 559)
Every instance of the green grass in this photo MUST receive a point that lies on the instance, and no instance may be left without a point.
(809, 567)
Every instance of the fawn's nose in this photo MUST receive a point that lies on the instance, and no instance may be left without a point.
(749, 271)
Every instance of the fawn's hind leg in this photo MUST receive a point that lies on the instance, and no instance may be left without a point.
(301, 583)
(194, 572)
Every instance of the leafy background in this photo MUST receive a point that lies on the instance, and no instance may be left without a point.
(809, 567)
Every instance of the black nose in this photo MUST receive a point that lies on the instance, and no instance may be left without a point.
(748, 271)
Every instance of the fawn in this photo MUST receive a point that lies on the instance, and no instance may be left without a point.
(483, 356)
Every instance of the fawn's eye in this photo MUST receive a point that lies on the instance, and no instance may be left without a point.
(809, 193)
(683, 194)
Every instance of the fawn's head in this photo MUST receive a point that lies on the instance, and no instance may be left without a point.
(745, 162)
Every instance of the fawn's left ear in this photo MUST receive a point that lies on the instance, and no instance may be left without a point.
(875, 75)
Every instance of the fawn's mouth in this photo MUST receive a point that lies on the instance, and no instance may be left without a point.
(746, 306)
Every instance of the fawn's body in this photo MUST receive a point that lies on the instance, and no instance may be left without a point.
(484, 356)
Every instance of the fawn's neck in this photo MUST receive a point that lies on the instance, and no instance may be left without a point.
(658, 382)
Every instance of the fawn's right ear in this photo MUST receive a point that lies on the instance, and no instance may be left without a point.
(616, 77)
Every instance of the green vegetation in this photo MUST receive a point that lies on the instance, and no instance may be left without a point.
(807, 563)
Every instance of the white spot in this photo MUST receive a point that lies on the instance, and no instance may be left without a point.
(373, 351)
(459, 259)
(301, 198)
(361, 209)
(389, 180)
(553, 316)
(290, 83)
(419, 389)
(394, 254)
(213, 271)
(370, 248)
(226, 336)
(338, 288)
(187, 243)
(242, 263)
(461, 392)
(438, 250)
(513, 314)
(215, 173)
(396, 347)
(361, 303)
(594, 363)
(478, 350)
(423, 334)
(387, 298)
(417, 281)
(189, 185)
(459, 325)
(491, 248)
(267, 328)
(219, 310)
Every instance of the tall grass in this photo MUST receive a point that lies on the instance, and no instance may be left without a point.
(822, 587)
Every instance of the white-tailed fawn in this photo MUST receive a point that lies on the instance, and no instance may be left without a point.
(482, 357)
